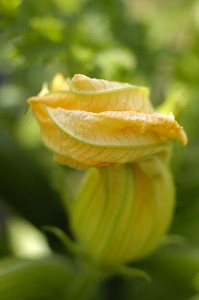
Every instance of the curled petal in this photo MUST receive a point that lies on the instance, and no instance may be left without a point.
(123, 100)
(65, 100)
(121, 97)
(105, 139)
(92, 149)
(101, 95)
(84, 84)
(123, 129)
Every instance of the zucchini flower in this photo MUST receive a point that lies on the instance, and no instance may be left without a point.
(126, 201)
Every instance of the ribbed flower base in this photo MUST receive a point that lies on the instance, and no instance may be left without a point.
(122, 212)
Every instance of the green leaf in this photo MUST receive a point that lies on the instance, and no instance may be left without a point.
(35, 280)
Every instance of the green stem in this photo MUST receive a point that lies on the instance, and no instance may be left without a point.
(84, 286)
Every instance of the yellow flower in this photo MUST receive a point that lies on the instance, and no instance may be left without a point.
(88, 122)
(126, 202)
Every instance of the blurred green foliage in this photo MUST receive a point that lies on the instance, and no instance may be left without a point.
(153, 43)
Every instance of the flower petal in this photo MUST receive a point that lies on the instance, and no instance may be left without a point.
(99, 219)
(83, 83)
(101, 95)
(59, 83)
(57, 138)
(69, 161)
(154, 194)
(64, 99)
(125, 98)
(158, 174)
(117, 129)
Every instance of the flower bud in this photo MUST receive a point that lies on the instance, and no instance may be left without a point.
(126, 202)
(122, 212)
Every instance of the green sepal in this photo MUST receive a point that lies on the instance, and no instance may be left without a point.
(63, 237)
(128, 271)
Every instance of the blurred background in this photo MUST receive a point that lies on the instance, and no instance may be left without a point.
(154, 43)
